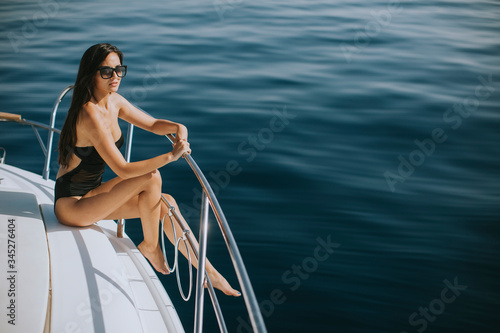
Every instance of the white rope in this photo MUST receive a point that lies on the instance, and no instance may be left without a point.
(175, 267)
(170, 270)
(190, 268)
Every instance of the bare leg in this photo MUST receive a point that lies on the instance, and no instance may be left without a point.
(132, 198)
(149, 210)
(121, 198)
(217, 279)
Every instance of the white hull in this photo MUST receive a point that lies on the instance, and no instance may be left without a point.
(67, 279)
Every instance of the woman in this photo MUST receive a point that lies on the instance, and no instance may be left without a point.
(91, 138)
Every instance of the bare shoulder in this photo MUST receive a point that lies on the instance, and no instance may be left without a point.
(118, 100)
(89, 123)
(89, 112)
(122, 104)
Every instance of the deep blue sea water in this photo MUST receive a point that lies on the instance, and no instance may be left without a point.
(364, 133)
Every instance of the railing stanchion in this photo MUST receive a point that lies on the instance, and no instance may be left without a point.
(120, 229)
(200, 292)
(128, 145)
(50, 139)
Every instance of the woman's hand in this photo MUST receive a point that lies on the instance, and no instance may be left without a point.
(181, 147)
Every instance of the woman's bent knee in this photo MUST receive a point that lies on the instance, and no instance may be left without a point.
(169, 198)
(152, 178)
(157, 176)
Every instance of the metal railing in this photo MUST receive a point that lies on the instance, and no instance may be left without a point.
(209, 199)
(2, 159)
(50, 139)
(34, 125)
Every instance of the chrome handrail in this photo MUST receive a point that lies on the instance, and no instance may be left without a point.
(34, 125)
(211, 291)
(252, 306)
(50, 139)
(47, 150)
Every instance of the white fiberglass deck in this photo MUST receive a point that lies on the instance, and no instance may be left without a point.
(74, 279)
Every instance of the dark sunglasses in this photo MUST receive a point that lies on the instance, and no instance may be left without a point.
(107, 72)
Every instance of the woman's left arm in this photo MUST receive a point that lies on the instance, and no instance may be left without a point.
(133, 115)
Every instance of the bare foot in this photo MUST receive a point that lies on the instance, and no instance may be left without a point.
(219, 282)
(155, 257)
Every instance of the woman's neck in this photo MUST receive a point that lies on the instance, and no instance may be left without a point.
(101, 98)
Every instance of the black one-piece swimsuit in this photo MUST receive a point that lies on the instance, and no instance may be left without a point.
(86, 176)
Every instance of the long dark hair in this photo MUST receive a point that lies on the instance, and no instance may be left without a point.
(83, 91)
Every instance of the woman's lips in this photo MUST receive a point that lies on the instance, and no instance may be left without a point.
(114, 84)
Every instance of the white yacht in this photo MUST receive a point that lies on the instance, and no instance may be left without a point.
(59, 279)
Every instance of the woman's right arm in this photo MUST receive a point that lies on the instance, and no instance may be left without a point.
(124, 169)
(103, 142)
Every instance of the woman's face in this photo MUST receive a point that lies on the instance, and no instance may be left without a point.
(108, 85)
